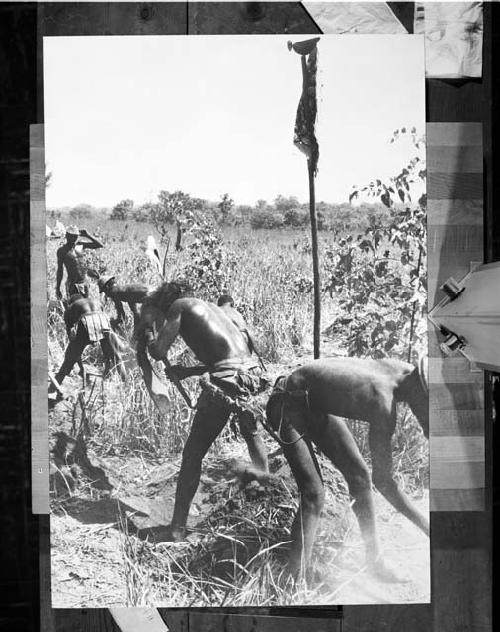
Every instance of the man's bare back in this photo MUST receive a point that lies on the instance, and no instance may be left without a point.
(356, 388)
(205, 328)
(78, 307)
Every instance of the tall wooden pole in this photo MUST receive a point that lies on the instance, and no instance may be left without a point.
(305, 140)
(315, 260)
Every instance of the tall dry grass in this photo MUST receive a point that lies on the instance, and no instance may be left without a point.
(268, 273)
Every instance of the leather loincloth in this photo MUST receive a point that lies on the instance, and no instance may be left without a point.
(95, 324)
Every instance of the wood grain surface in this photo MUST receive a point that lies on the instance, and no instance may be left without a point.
(39, 358)
(455, 176)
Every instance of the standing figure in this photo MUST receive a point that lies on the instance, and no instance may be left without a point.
(86, 324)
(306, 407)
(69, 257)
(132, 294)
(224, 353)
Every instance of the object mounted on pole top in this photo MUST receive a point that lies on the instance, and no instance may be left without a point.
(304, 133)
(304, 138)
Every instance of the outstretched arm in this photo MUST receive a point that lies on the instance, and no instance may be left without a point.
(92, 244)
(119, 311)
(380, 448)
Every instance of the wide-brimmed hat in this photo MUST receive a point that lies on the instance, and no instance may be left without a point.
(103, 281)
(73, 230)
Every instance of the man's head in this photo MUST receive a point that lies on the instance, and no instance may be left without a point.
(72, 234)
(225, 300)
(105, 282)
(167, 293)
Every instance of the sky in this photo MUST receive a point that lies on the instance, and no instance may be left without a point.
(126, 117)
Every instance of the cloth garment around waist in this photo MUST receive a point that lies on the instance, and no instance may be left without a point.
(96, 325)
(77, 288)
(239, 381)
(288, 400)
(240, 390)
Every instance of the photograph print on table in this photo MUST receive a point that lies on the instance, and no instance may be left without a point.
(237, 338)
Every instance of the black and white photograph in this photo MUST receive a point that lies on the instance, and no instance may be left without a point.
(237, 320)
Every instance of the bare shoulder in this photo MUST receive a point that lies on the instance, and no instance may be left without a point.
(237, 317)
(396, 366)
(189, 304)
(363, 368)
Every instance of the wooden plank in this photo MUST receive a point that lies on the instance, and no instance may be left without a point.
(386, 618)
(461, 596)
(214, 622)
(462, 186)
(39, 354)
(452, 159)
(461, 474)
(456, 370)
(451, 134)
(458, 449)
(177, 619)
(455, 397)
(217, 18)
(455, 239)
(454, 100)
(85, 620)
(113, 18)
(451, 423)
(451, 250)
(457, 500)
(459, 240)
(47, 621)
(455, 213)
(434, 337)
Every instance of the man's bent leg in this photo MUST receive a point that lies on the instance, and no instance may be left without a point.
(208, 422)
(112, 356)
(72, 355)
(312, 496)
(256, 448)
(298, 453)
(335, 440)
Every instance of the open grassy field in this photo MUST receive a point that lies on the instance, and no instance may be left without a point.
(115, 458)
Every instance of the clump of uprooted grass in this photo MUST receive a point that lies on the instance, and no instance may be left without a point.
(237, 555)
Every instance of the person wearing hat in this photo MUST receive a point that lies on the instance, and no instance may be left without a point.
(69, 257)
(132, 294)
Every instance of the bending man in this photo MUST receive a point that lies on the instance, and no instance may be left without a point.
(87, 324)
(132, 294)
(223, 351)
(307, 407)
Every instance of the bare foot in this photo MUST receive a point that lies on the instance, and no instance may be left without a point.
(163, 534)
(384, 572)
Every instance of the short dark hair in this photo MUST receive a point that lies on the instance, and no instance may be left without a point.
(225, 299)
